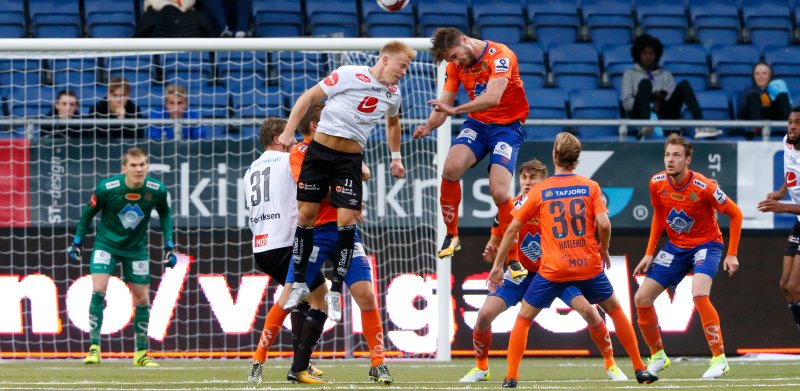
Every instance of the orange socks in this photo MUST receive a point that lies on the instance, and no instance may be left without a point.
(516, 345)
(272, 326)
(627, 337)
(373, 333)
(600, 336)
(481, 342)
(710, 320)
(450, 198)
(504, 215)
(648, 325)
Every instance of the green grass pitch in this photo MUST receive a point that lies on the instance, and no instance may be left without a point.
(536, 373)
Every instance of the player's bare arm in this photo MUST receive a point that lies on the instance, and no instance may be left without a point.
(490, 251)
(393, 139)
(313, 94)
(436, 119)
(490, 98)
(604, 236)
(771, 205)
(778, 195)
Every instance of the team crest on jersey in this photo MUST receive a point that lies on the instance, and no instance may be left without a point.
(131, 216)
(148, 197)
(659, 177)
(112, 184)
(693, 197)
(699, 184)
(153, 185)
(501, 65)
(679, 221)
(531, 247)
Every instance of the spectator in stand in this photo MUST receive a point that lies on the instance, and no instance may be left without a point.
(65, 107)
(648, 89)
(765, 99)
(176, 105)
(223, 12)
(117, 105)
(173, 19)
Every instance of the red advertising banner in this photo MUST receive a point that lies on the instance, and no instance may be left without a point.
(14, 174)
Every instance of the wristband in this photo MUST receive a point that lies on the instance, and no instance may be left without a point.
(396, 155)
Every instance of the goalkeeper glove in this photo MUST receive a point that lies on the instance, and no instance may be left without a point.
(75, 250)
(170, 259)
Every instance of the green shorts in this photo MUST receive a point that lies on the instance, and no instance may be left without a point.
(134, 271)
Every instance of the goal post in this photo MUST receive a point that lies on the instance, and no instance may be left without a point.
(213, 304)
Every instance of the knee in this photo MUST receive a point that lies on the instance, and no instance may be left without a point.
(483, 322)
(451, 172)
(499, 194)
(794, 288)
(683, 86)
(645, 86)
(641, 300)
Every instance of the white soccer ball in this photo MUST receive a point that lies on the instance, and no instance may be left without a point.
(393, 5)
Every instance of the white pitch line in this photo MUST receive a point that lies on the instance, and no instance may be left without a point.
(335, 387)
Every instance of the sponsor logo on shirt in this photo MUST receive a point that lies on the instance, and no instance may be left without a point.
(102, 257)
(679, 221)
(469, 134)
(133, 197)
(93, 201)
(663, 258)
(307, 186)
(504, 150)
(720, 196)
(363, 77)
(677, 196)
(791, 179)
(700, 257)
(392, 88)
(501, 65)
(302, 148)
(699, 184)
(331, 80)
(492, 51)
(140, 268)
(659, 177)
(368, 104)
(131, 216)
(260, 241)
(112, 184)
(564, 192)
(153, 185)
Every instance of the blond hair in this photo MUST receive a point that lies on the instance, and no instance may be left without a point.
(676, 139)
(398, 47)
(176, 89)
(567, 150)
(133, 152)
(534, 167)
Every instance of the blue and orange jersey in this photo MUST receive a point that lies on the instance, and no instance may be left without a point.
(686, 210)
(566, 206)
(327, 212)
(528, 239)
(497, 60)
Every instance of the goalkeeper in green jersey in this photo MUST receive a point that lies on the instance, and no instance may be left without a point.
(126, 201)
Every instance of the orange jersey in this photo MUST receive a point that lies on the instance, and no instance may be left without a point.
(528, 239)
(327, 213)
(566, 206)
(497, 61)
(688, 208)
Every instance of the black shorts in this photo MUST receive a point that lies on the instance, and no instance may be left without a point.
(275, 263)
(325, 169)
(793, 242)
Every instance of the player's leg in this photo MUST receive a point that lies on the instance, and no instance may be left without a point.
(101, 266)
(137, 274)
(793, 288)
(597, 330)
(504, 142)
(467, 149)
(707, 259)
(307, 326)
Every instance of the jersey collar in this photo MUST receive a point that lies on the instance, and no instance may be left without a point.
(681, 186)
(478, 60)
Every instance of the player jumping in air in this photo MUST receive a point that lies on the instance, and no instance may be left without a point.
(570, 210)
(498, 106)
(125, 201)
(513, 289)
(685, 203)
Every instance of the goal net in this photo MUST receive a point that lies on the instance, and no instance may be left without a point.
(214, 302)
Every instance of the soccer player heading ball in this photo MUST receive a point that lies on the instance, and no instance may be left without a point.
(125, 201)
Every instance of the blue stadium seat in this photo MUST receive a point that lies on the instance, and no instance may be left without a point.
(547, 103)
(595, 104)
(278, 18)
(663, 19)
(768, 22)
(499, 22)
(616, 59)
(327, 17)
(191, 69)
(715, 23)
(213, 102)
(733, 65)
(574, 66)
(379, 23)
(687, 62)
(714, 105)
(109, 19)
(530, 58)
(554, 21)
(785, 62)
(74, 73)
(137, 69)
(609, 21)
(12, 19)
(241, 71)
(258, 104)
(432, 15)
(55, 18)
(20, 73)
(31, 101)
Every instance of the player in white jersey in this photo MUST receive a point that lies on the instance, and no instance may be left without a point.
(270, 199)
(358, 97)
(790, 276)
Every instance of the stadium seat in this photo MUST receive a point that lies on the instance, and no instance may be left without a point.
(55, 18)
(12, 19)
(137, 69)
(74, 73)
(432, 15)
(259, 104)
(31, 101)
(241, 71)
(379, 23)
(278, 18)
(574, 66)
(768, 22)
(328, 17)
(547, 103)
(191, 69)
(499, 22)
(687, 62)
(530, 58)
(616, 59)
(213, 102)
(595, 104)
(733, 65)
(104, 19)
(554, 21)
(785, 62)
(19, 73)
(715, 23)
(663, 19)
(609, 21)
(713, 104)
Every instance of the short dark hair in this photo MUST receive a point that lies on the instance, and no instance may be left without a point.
(271, 127)
(444, 39)
(796, 109)
(643, 41)
(312, 115)
(66, 92)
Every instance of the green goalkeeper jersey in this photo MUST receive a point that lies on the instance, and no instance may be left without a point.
(126, 215)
